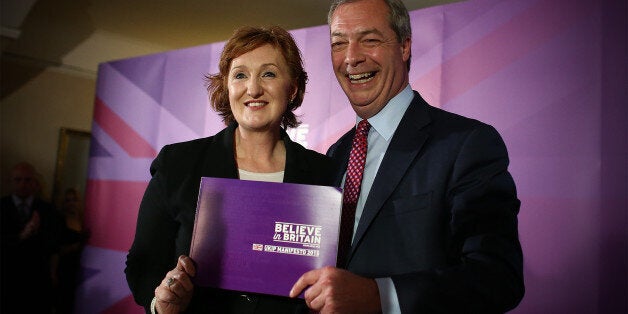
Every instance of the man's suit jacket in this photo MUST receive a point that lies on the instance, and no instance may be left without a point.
(167, 212)
(441, 216)
(25, 263)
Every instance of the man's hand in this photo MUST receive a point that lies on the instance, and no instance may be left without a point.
(335, 290)
(32, 227)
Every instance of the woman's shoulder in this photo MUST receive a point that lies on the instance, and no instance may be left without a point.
(186, 146)
(195, 145)
(308, 166)
(185, 156)
(309, 154)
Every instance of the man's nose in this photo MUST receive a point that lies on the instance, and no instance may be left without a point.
(354, 54)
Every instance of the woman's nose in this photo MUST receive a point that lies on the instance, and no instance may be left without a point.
(254, 88)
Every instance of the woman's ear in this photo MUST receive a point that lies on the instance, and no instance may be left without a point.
(295, 90)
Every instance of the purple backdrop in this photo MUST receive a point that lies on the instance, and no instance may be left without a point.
(551, 76)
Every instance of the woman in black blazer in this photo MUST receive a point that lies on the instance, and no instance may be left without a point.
(260, 83)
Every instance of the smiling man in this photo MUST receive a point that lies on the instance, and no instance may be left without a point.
(434, 215)
(370, 61)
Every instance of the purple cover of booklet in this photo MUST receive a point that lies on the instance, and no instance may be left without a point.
(261, 237)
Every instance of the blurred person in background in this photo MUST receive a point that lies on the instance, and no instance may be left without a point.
(30, 244)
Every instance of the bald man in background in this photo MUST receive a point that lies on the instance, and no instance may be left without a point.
(30, 231)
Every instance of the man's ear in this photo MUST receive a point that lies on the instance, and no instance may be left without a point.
(406, 47)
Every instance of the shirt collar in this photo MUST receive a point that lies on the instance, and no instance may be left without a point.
(385, 122)
(17, 200)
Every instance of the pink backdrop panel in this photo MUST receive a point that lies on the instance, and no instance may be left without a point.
(549, 75)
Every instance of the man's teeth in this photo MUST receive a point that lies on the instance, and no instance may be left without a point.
(362, 77)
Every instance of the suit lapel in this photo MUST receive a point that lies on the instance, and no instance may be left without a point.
(297, 167)
(341, 155)
(217, 157)
(402, 151)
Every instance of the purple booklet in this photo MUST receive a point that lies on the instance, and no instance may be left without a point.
(262, 236)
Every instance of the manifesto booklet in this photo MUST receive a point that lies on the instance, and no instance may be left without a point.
(261, 237)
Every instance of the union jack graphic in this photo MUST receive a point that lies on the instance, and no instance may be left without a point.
(520, 65)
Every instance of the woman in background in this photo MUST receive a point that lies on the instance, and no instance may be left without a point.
(261, 81)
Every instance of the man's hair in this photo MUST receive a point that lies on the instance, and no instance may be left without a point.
(398, 18)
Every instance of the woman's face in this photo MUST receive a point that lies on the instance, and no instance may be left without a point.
(260, 87)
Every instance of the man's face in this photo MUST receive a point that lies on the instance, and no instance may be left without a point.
(369, 62)
(23, 182)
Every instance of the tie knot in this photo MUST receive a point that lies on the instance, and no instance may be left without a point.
(363, 127)
(24, 210)
(22, 206)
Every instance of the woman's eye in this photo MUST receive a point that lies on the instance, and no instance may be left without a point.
(239, 76)
(269, 74)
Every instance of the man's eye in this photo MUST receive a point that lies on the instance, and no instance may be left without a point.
(371, 42)
(338, 45)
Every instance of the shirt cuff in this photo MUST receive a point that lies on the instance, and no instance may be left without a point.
(152, 305)
(388, 296)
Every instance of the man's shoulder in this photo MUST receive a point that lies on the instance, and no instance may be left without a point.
(42, 202)
(6, 201)
(443, 119)
(420, 107)
(343, 139)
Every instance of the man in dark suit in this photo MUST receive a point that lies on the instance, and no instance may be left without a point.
(435, 227)
(30, 227)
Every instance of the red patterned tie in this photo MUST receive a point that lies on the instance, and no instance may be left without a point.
(353, 180)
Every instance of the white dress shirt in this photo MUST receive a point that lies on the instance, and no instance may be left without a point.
(383, 126)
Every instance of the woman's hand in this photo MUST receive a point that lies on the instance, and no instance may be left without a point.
(174, 293)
